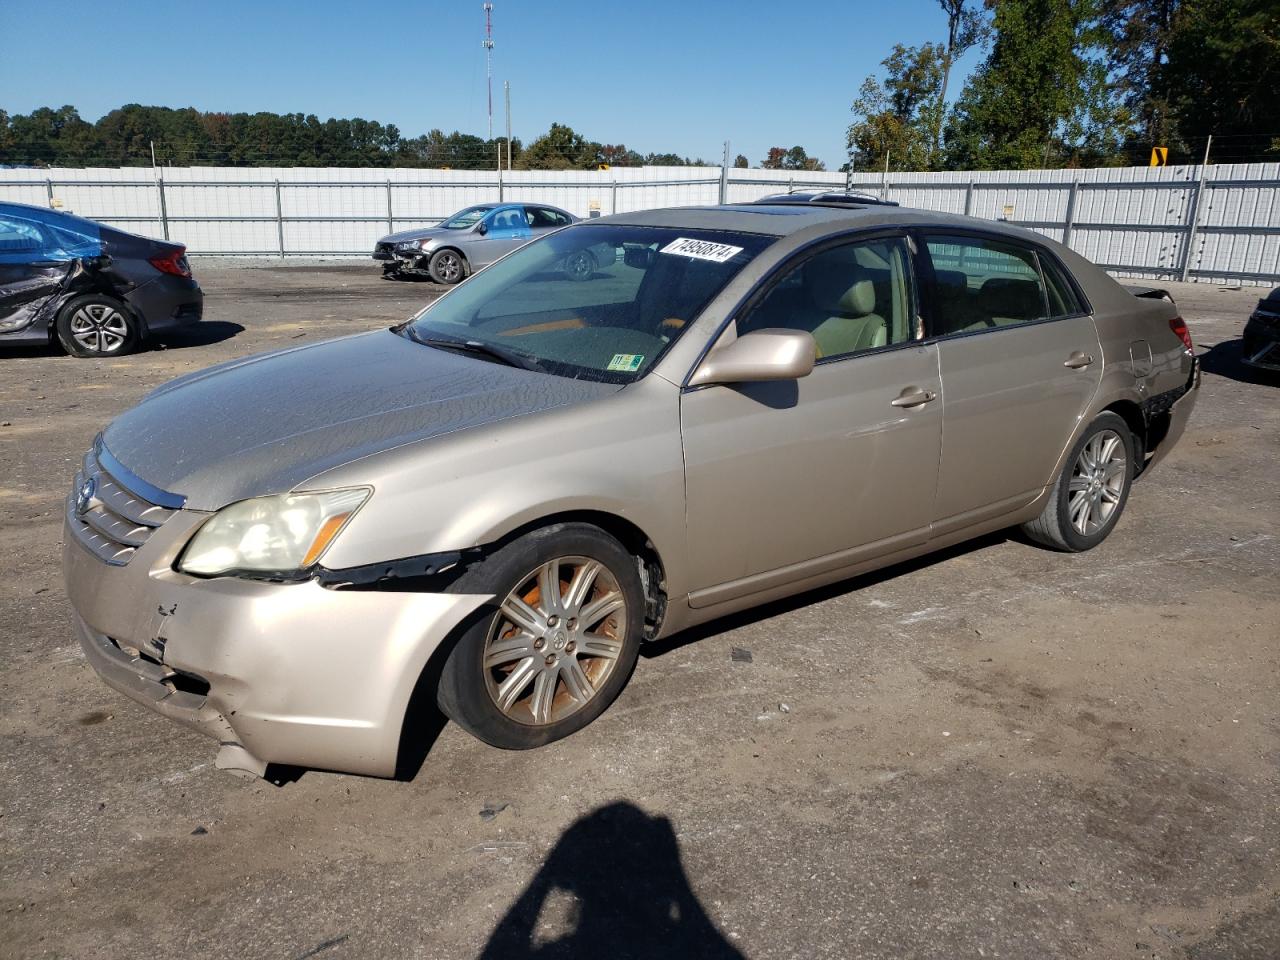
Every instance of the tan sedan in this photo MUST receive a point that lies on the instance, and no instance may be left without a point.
(500, 500)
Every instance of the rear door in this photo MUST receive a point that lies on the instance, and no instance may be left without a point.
(1020, 361)
(793, 479)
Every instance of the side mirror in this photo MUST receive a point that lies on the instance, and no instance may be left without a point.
(482, 228)
(759, 355)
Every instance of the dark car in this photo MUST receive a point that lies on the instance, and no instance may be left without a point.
(98, 291)
(1262, 334)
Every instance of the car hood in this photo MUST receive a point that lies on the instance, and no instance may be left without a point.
(266, 424)
(418, 233)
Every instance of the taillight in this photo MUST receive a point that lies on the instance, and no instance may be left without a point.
(1179, 326)
(174, 262)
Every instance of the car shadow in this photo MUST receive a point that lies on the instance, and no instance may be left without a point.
(613, 886)
(1226, 359)
(202, 334)
(777, 608)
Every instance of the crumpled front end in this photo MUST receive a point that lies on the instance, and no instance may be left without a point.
(289, 673)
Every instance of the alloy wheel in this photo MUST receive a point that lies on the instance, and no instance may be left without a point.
(99, 327)
(555, 641)
(449, 267)
(1097, 482)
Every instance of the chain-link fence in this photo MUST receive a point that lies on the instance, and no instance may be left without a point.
(1218, 223)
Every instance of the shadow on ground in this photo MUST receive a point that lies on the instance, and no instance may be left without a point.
(201, 334)
(614, 887)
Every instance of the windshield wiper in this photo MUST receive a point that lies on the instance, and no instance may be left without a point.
(511, 358)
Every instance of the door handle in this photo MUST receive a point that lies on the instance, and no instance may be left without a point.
(1078, 360)
(913, 397)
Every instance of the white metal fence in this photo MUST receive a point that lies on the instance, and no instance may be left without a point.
(1219, 223)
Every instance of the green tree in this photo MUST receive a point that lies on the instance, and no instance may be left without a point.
(1223, 74)
(740, 162)
(1042, 95)
(561, 148)
(899, 116)
(965, 29)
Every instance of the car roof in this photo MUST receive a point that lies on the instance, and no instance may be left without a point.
(780, 219)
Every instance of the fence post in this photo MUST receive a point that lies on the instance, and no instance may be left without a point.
(1071, 213)
(279, 220)
(390, 217)
(613, 198)
(724, 176)
(48, 189)
(164, 209)
(1194, 221)
(500, 185)
(968, 200)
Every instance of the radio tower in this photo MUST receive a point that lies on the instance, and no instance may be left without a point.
(487, 43)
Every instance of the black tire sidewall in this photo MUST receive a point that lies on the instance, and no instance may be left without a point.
(590, 259)
(62, 326)
(433, 267)
(462, 694)
(1075, 540)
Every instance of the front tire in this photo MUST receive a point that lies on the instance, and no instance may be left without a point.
(1092, 489)
(447, 267)
(558, 645)
(97, 326)
(580, 266)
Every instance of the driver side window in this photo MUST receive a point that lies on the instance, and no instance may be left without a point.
(851, 298)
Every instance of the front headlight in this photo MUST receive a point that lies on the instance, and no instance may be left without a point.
(281, 534)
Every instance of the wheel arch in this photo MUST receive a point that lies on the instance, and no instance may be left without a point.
(467, 268)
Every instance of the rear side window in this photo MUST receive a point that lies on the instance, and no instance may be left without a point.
(544, 217)
(1062, 298)
(982, 284)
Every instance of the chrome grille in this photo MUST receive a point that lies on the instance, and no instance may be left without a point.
(112, 521)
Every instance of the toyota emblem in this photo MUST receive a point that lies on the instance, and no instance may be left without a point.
(84, 496)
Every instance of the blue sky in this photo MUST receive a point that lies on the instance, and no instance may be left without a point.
(655, 74)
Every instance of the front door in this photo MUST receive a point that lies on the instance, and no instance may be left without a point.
(793, 479)
(504, 229)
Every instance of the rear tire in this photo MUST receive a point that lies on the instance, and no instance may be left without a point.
(536, 667)
(95, 325)
(1091, 490)
(580, 266)
(447, 267)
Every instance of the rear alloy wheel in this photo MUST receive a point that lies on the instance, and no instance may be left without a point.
(446, 267)
(1092, 489)
(559, 645)
(96, 326)
(580, 266)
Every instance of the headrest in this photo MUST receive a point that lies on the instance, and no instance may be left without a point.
(1011, 297)
(837, 284)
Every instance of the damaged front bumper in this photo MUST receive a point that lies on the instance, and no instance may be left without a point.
(292, 673)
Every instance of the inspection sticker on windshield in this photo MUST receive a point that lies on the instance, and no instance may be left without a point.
(626, 362)
(701, 250)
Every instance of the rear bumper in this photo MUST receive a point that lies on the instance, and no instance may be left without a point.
(1261, 348)
(167, 303)
(1179, 414)
(277, 673)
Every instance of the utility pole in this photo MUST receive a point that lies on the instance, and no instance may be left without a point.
(487, 43)
(506, 88)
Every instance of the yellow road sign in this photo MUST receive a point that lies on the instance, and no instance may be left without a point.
(1159, 156)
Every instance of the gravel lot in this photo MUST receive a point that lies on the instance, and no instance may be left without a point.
(994, 752)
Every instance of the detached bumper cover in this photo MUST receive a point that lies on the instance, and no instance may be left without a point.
(1261, 348)
(277, 673)
(1179, 412)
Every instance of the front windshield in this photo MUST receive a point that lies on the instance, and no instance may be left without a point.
(466, 218)
(594, 302)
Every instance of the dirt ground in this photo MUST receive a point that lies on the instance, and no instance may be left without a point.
(994, 752)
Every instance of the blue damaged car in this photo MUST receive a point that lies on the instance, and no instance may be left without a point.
(96, 290)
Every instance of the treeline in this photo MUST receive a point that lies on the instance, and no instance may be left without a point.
(189, 137)
(1078, 83)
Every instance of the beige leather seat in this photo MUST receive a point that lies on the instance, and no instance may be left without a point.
(845, 302)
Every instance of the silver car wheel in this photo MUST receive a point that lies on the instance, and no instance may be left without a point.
(1097, 482)
(556, 640)
(99, 327)
(448, 266)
